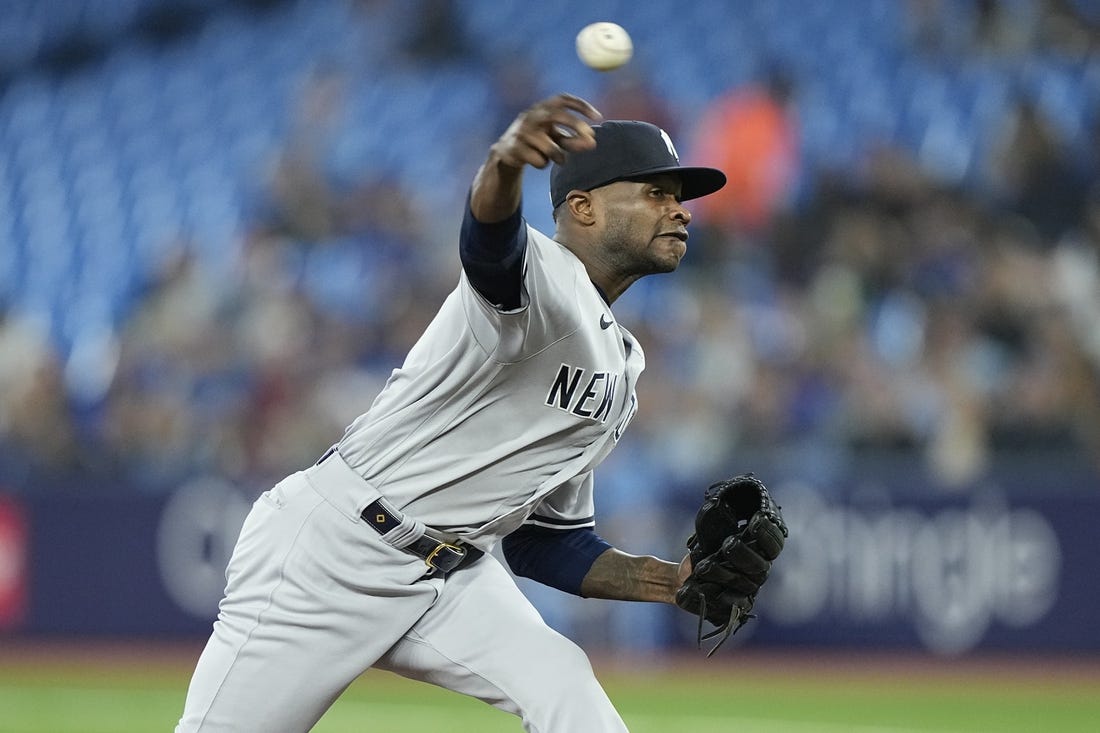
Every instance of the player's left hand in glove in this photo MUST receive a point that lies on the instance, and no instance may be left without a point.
(739, 531)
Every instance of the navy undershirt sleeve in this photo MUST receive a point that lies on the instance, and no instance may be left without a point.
(554, 557)
(492, 256)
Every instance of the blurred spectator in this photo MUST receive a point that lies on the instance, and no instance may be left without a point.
(1069, 26)
(174, 348)
(37, 433)
(1001, 28)
(751, 134)
(304, 206)
(25, 348)
(514, 79)
(301, 199)
(1005, 28)
(627, 95)
(1032, 172)
(933, 30)
(436, 34)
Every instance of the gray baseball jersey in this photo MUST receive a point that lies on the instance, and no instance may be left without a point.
(496, 416)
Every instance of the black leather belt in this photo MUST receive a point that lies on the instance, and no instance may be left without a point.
(440, 556)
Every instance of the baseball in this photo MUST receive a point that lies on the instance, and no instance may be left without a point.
(604, 46)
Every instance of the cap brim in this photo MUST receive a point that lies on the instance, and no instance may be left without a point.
(700, 181)
(696, 181)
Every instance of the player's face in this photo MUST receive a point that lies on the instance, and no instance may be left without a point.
(645, 225)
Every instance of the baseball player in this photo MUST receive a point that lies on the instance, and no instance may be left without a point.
(378, 555)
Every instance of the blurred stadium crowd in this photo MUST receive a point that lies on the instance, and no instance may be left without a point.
(225, 222)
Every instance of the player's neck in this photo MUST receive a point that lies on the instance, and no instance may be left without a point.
(609, 281)
(608, 276)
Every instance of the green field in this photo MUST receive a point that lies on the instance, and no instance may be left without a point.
(122, 690)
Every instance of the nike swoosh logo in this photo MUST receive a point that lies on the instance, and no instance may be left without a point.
(605, 324)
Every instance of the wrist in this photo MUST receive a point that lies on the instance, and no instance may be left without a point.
(617, 575)
(497, 191)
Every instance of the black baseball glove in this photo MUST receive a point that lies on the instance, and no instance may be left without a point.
(739, 531)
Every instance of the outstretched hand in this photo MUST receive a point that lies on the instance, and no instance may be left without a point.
(544, 132)
(540, 134)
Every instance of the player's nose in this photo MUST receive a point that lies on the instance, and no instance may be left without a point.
(681, 214)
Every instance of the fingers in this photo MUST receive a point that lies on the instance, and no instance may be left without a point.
(519, 147)
(547, 130)
(568, 124)
(578, 105)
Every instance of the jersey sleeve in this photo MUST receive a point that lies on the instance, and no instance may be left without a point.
(492, 257)
(558, 558)
(557, 544)
(549, 282)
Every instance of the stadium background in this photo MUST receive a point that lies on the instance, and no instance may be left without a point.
(222, 224)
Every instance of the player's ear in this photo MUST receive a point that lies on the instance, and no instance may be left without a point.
(579, 204)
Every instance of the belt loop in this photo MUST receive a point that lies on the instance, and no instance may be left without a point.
(439, 555)
(397, 529)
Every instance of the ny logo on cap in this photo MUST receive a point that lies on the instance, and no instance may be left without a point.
(669, 145)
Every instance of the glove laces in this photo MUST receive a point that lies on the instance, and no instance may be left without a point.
(736, 620)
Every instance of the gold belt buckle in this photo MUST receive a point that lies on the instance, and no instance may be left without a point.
(447, 562)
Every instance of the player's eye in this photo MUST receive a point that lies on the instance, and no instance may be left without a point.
(661, 193)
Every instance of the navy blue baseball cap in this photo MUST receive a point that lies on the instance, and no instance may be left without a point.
(628, 150)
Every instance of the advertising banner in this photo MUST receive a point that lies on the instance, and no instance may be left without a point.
(949, 575)
(13, 564)
(946, 574)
